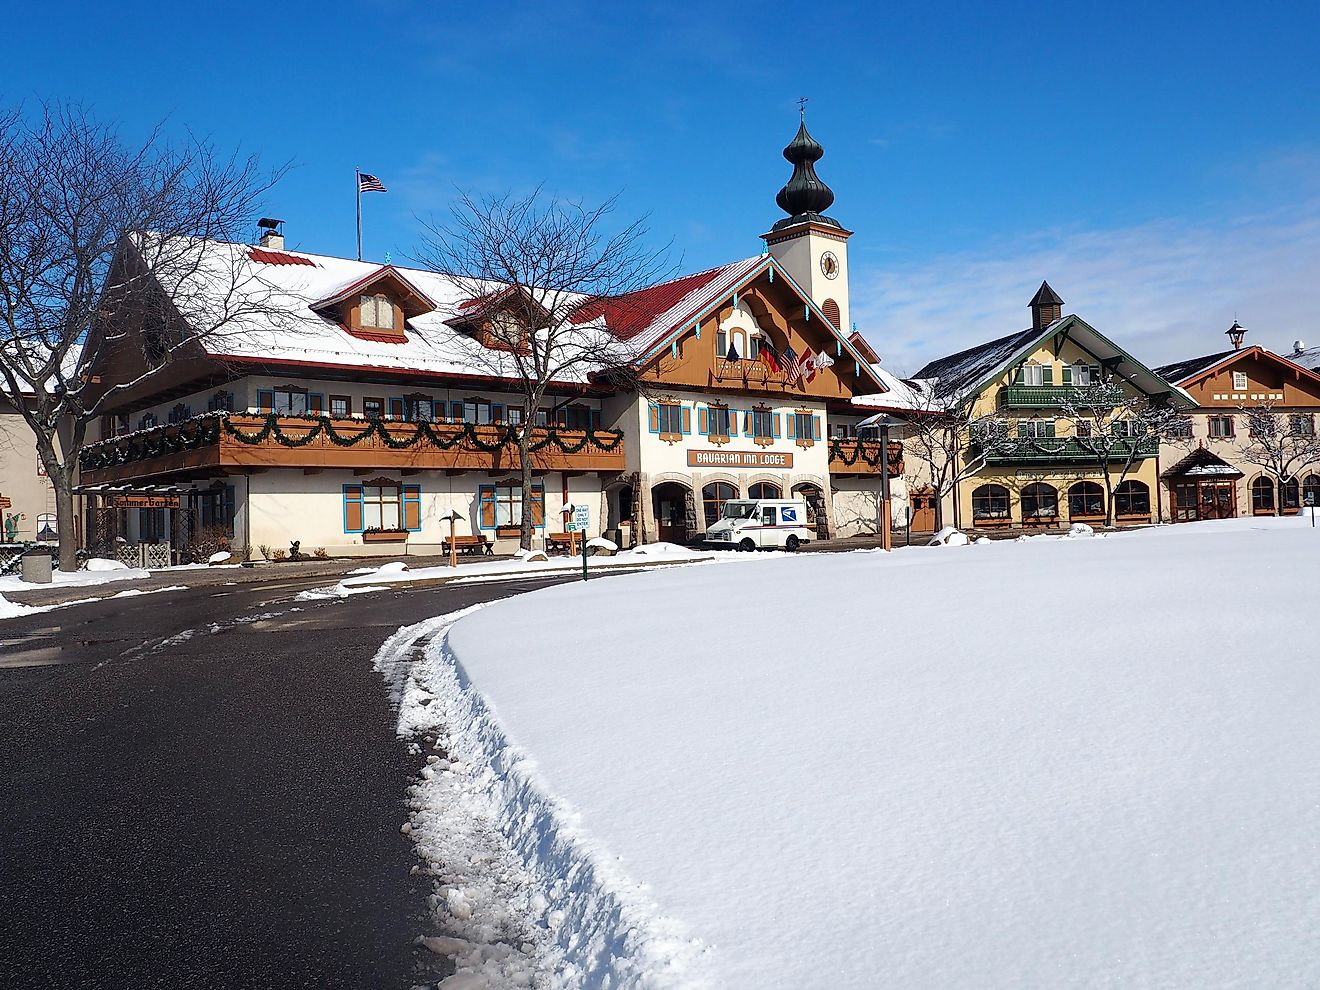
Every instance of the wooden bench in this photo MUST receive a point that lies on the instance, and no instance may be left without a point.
(469, 544)
(560, 541)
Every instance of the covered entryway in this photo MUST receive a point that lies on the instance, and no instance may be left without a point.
(675, 512)
(1204, 486)
(817, 519)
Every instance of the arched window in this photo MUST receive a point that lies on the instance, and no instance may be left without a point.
(1086, 499)
(1132, 498)
(765, 489)
(713, 497)
(376, 312)
(1311, 490)
(831, 310)
(1262, 496)
(1290, 496)
(1040, 503)
(990, 504)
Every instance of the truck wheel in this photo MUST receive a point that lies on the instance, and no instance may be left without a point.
(792, 543)
(747, 544)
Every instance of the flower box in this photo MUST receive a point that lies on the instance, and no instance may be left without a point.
(386, 536)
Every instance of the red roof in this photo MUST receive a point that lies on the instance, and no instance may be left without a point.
(629, 315)
(278, 258)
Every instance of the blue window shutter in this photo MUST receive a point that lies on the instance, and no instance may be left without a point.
(703, 421)
(815, 427)
(396, 409)
(353, 518)
(685, 423)
(497, 412)
(653, 411)
(456, 412)
(266, 400)
(792, 425)
(774, 424)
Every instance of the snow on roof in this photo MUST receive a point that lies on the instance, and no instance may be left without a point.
(1180, 371)
(966, 368)
(1307, 357)
(647, 315)
(900, 394)
(292, 285)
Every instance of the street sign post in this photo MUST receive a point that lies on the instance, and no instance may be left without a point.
(581, 519)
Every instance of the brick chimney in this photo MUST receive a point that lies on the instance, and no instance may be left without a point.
(1046, 307)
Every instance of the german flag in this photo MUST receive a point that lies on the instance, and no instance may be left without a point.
(769, 357)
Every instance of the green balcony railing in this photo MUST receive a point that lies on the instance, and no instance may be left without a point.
(1070, 451)
(1035, 396)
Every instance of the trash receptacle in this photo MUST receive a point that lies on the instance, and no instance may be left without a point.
(36, 568)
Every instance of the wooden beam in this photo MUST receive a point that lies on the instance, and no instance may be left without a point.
(313, 470)
(409, 472)
(454, 472)
(363, 472)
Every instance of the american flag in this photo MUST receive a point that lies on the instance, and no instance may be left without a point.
(796, 369)
(369, 183)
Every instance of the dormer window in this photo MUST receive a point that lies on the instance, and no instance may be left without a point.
(376, 312)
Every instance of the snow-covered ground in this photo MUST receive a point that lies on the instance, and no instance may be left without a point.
(1076, 762)
(93, 572)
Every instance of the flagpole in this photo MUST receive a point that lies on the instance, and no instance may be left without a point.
(357, 175)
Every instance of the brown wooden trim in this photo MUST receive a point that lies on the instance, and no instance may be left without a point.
(389, 537)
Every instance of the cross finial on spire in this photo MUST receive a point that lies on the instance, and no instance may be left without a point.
(802, 107)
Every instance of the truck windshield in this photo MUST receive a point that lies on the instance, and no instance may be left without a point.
(739, 510)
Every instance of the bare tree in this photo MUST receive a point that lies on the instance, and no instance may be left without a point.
(1113, 430)
(944, 435)
(103, 249)
(538, 274)
(1281, 444)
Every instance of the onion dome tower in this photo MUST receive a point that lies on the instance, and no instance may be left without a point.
(810, 246)
(805, 198)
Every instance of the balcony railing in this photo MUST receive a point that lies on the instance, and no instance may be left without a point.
(221, 440)
(1066, 450)
(849, 455)
(1035, 396)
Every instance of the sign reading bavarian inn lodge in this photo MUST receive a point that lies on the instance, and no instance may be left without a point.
(738, 459)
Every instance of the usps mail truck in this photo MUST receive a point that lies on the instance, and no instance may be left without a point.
(755, 524)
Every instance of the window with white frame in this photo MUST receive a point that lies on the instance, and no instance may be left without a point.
(1033, 374)
(1081, 374)
(376, 311)
(1035, 429)
(380, 506)
(1239, 381)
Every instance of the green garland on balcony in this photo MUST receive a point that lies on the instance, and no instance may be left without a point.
(205, 431)
(859, 453)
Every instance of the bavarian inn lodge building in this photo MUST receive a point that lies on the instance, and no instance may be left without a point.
(362, 416)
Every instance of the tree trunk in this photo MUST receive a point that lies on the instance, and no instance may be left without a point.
(66, 525)
(526, 525)
(1109, 500)
(938, 499)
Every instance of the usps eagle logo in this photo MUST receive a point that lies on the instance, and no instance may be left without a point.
(790, 515)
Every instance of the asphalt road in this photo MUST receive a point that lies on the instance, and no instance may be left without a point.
(220, 810)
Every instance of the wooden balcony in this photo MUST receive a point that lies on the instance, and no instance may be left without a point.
(1065, 450)
(216, 442)
(862, 457)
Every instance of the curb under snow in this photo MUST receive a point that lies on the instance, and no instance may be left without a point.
(585, 923)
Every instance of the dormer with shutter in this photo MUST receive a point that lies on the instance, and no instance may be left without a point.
(376, 307)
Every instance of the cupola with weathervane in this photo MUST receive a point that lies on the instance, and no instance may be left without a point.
(809, 246)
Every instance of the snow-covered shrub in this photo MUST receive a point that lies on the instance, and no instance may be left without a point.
(1080, 529)
(948, 537)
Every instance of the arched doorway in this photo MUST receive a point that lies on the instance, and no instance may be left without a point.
(1290, 497)
(1311, 490)
(816, 516)
(713, 497)
(670, 503)
(1132, 502)
(765, 489)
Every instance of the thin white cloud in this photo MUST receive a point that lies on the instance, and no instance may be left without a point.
(1164, 290)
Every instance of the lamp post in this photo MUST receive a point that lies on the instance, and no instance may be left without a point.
(452, 516)
(884, 423)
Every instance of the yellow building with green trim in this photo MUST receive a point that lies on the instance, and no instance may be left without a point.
(1039, 450)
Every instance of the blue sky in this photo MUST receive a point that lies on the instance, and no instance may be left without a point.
(1157, 162)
